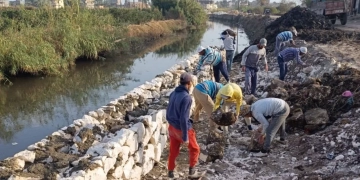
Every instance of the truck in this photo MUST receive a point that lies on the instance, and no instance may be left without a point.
(335, 9)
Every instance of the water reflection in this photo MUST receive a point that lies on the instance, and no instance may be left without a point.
(32, 108)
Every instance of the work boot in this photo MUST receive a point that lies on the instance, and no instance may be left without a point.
(193, 173)
(171, 175)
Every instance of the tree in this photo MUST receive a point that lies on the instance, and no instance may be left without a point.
(164, 5)
(306, 3)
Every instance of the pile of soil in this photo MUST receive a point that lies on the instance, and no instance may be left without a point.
(310, 27)
(322, 93)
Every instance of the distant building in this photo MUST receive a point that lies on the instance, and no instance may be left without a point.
(17, 3)
(4, 3)
(140, 5)
(57, 4)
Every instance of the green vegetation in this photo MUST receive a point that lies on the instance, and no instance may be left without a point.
(191, 10)
(44, 41)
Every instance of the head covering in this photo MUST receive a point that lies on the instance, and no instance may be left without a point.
(244, 110)
(303, 50)
(200, 48)
(293, 30)
(347, 94)
(227, 90)
(186, 78)
(263, 42)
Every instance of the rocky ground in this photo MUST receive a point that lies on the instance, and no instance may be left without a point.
(322, 143)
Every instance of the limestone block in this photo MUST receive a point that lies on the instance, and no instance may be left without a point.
(149, 152)
(124, 155)
(93, 114)
(158, 151)
(156, 94)
(136, 173)
(167, 73)
(109, 149)
(139, 129)
(147, 166)
(157, 82)
(133, 143)
(316, 116)
(118, 172)
(16, 163)
(148, 86)
(164, 128)
(155, 137)
(139, 155)
(100, 160)
(109, 164)
(128, 167)
(100, 112)
(27, 156)
(157, 117)
(110, 108)
(97, 173)
(163, 141)
(148, 122)
(147, 136)
(121, 136)
(17, 177)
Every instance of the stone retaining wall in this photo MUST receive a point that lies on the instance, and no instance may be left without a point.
(122, 140)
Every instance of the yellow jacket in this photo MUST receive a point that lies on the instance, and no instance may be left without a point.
(234, 92)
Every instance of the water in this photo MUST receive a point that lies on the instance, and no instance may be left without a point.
(33, 108)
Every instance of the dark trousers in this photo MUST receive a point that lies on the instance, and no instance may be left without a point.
(221, 67)
(250, 80)
(283, 68)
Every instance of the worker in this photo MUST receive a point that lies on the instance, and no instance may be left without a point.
(204, 93)
(229, 45)
(284, 36)
(231, 94)
(180, 126)
(210, 56)
(289, 54)
(262, 109)
(249, 63)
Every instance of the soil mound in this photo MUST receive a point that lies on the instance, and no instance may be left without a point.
(324, 93)
(310, 27)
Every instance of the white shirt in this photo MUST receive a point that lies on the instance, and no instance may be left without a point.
(266, 107)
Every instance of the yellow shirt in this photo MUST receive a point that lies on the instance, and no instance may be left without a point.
(233, 91)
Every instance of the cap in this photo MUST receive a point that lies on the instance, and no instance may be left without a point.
(244, 110)
(185, 78)
(263, 41)
(200, 48)
(303, 50)
(347, 93)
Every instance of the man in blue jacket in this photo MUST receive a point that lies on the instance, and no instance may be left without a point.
(180, 126)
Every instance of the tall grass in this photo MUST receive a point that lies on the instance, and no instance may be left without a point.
(47, 41)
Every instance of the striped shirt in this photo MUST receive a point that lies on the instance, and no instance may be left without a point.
(289, 54)
(211, 57)
(285, 36)
(210, 88)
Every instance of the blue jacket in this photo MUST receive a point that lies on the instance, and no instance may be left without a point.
(210, 88)
(178, 110)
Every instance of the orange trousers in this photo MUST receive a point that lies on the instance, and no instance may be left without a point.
(175, 142)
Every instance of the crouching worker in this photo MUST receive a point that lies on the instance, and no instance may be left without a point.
(275, 108)
(204, 94)
(180, 126)
(213, 57)
(231, 94)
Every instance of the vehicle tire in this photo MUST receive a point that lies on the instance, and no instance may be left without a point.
(343, 19)
(333, 21)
